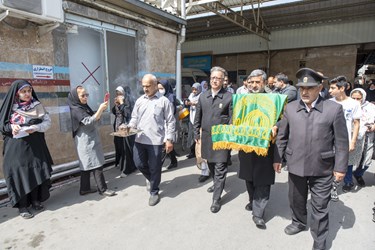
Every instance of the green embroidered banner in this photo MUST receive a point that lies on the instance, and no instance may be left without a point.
(253, 117)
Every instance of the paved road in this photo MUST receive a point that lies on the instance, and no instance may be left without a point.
(182, 220)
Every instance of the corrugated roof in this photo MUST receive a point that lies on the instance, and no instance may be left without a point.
(297, 14)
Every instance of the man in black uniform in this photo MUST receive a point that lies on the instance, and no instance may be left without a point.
(313, 140)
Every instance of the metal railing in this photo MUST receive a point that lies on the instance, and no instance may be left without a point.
(62, 170)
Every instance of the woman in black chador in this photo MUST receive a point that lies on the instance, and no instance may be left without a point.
(27, 161)
(123, 146)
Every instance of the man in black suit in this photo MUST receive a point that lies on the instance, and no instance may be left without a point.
(313, 140)
(214, 107)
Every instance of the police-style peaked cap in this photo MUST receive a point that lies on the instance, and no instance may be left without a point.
(309, 78)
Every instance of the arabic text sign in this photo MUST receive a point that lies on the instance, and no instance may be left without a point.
(42, 72)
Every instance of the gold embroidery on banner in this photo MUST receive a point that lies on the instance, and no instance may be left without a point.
(264, 115)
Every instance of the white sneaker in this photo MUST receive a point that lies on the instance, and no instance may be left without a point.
(122, 175)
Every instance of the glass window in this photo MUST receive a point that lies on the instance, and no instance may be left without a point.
(121, 64)
(87, 63)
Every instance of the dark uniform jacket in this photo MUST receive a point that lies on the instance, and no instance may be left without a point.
(212, 111)
(313, 143)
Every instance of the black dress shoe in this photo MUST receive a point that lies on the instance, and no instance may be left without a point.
(259, 222)
(215, 207)
(360, 180)
(293, 229)
(249, 206)
(210, 189)
(90, 191)
(172, 165)
(203, 178)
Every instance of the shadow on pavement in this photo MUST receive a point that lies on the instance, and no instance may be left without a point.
(342, 218)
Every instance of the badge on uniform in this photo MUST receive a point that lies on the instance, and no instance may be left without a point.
(220, 105)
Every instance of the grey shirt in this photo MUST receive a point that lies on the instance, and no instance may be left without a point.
(154, 116)
(89, 147)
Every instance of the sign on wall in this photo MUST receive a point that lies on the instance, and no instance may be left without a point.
(198, 62)
(42, 72)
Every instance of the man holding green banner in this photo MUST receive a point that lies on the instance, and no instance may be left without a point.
(254, 117)
(251, 132)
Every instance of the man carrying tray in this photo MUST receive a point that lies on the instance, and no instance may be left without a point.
(153, 114)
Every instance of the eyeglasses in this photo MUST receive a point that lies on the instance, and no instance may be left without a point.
(214, 78)
(84, 95)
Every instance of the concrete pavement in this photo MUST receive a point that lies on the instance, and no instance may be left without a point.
(182, 219)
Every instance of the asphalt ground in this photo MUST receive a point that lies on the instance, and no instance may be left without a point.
(182, 219)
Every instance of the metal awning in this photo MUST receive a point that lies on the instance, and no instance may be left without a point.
(206, 20)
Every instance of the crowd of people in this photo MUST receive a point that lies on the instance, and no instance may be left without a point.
(325, 136)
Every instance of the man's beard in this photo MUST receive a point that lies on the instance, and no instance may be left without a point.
(256, 91)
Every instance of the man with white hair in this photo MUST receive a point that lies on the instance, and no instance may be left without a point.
(214, 107)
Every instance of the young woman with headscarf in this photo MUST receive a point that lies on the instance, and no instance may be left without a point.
(27, 161)
(191, 102)
(166, 89)
(365, 141)
(204, 86)
(123, 145)
(87, 140)
(196, 91)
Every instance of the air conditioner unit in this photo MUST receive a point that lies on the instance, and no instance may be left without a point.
(38, 11)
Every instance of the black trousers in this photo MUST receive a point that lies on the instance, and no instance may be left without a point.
(99, 179)
(119, 148)
(38, 194)
(219, 173)
(124, 153)
(320, 188)
(259, 197)
(127, 163)
(29, 198)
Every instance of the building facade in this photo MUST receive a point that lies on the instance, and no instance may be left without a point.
(95, 45)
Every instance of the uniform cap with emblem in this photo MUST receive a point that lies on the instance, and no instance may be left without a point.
(309, 78)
